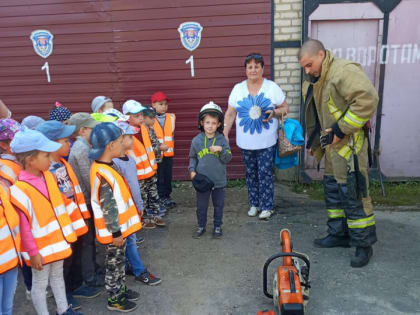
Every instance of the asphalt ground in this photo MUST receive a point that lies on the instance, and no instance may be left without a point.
(224, 276)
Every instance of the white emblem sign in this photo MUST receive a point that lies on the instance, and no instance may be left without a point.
(42, 41)
(190, 33)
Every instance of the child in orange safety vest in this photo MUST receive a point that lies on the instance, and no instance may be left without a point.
(46, 228)
(116, 215)
(164, 127)
(69, 186)
(143, 153)
(9, 166)
(9, 251)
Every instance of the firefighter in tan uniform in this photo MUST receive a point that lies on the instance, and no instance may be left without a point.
(339, 100)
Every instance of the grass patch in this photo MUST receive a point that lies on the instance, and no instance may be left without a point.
(236, 183)
(314, 190)
(397, 194)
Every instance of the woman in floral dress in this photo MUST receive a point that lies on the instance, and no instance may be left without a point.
(255, 103)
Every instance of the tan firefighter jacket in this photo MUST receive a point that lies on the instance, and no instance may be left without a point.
(343, 94)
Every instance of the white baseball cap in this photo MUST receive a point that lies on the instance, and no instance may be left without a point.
(132, 107)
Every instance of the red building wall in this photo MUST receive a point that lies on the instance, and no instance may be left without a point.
(129, 49)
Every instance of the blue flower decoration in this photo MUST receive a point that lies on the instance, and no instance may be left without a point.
(252, 110)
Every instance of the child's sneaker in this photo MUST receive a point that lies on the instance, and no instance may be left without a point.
(130, 294)
(199, 232)
(86, 292)
(162, 210)
(139, 240)
(149, 279)
(148, 224)
(28, 295)
(121, 304)
(217, 232)
(158, 221)
(170, 203)
(70, 311)
(75, 305)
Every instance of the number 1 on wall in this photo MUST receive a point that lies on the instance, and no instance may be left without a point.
(47, 70)
(191, 62)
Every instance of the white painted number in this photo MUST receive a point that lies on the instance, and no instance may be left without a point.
(191, 61)
(47, 70)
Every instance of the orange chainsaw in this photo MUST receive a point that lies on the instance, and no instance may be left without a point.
(291, 281)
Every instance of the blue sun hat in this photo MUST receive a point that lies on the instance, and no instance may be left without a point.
(211, 108)
(55, 130)
(26, 140)
(32, 121)
(101, 136)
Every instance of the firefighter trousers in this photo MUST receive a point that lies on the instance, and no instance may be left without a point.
(346, 191)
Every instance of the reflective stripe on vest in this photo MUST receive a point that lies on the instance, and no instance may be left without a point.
(9, 170)
(50, 222)
(77, 221)
(144, 168)
(128, 216)
(148, 146)
(79, 197)
(166, 135)
(356, 140)
(9, 233)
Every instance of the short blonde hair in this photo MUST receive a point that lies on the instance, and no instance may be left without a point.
(21, 157)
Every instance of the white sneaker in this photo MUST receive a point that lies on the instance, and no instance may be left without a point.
(265, 214)
(253, 211)
(28, 295)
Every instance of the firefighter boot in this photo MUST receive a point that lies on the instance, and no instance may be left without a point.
(337, 225)
(332, 241)
(361, 257)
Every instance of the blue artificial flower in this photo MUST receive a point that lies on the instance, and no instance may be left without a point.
(252, 110)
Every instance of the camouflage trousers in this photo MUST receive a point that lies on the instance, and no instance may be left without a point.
(150, 196)
(114, 270)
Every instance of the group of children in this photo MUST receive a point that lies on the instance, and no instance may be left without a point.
(104, 175)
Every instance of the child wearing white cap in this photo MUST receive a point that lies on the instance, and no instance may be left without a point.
(39, 203)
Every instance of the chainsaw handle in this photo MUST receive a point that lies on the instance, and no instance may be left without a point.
(268, 262)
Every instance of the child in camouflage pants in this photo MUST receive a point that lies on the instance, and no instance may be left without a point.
(120, 217)
(149, 191)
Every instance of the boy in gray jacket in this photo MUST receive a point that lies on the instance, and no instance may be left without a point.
(209, 154)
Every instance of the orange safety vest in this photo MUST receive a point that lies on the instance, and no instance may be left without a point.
(128, 216)
(9, 233)
(80, 199)
(9, 170)
(166, 135)
(50, 222)
(139, 154)
(148, 146)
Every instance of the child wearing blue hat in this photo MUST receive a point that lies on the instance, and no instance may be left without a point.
(127, 168)
(69, 186)
(39, 204)
(116, 215)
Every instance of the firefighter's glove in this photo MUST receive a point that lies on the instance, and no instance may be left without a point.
(326, 139)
